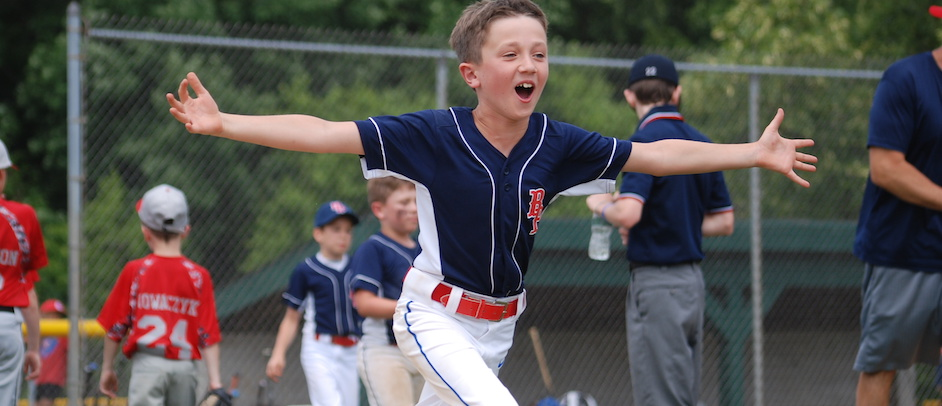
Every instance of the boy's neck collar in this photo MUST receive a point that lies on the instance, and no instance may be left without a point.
(643, 110)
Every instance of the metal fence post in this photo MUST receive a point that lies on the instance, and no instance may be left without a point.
(755, 212)
(75, 123)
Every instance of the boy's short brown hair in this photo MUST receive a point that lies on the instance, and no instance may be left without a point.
(653, 91)
(379, 189)
(467, 38)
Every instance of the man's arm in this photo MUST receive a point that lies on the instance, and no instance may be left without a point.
(286, 332)
(293, 132)
(620, 212)
(32, 362)
(890, 170)
(718, 224)
(370, 305)
(678, 157)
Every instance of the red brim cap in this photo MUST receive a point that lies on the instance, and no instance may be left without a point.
(935, 11)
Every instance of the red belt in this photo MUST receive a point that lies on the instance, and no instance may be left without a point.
(343, 341)
(474, 307)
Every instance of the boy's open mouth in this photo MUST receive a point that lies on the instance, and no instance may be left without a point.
(524, 90)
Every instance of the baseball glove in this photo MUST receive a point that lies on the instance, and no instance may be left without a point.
(217, 397)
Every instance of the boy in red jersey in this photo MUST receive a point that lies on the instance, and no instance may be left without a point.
(165, 306)
(22, 255)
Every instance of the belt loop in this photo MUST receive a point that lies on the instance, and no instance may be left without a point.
(454, 299)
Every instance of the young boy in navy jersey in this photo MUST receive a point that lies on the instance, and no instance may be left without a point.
(380, 265)
(319, 290)
(483, 177)
(665, 219)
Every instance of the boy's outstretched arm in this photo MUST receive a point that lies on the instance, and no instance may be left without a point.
(294, 132)
(771, 151)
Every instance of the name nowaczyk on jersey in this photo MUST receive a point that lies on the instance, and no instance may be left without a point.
(170, 303)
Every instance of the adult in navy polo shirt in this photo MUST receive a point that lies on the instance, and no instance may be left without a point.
(899, 234)
(666, 218)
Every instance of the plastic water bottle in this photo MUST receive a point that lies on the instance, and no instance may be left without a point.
(600, 243)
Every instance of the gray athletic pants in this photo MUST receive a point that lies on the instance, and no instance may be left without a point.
(665, 308)
(12, 352)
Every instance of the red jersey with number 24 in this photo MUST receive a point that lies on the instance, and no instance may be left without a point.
(18, 268)
(165, 306)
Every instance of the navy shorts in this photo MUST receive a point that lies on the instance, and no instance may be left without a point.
(48, 391)
(900, 320)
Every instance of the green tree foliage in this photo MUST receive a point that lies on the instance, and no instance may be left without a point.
(54, 281)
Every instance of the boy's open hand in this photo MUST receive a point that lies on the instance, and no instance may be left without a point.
(199, 114)
(781, 154)
(108, 383)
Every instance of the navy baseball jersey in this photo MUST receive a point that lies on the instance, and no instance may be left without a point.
(907, 117)
(669, 230)
(379, 265)
(479, 210)
(321, 291)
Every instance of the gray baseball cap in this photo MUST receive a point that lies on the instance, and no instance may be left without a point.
(164, 208)
(5, 157)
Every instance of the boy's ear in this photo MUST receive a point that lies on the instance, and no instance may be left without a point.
(675, 97)
(631, 99)
(469, 74)
(377, 209)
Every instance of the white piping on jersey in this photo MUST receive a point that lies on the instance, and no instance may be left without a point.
(611, 157)
(591, 187)
(395, 248)
(493, 193)
(520, 197)
(382, 147)
(392, 246)
(371, 281)
(339, 297)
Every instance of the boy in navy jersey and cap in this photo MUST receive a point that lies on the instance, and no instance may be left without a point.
(483, 177)
(319, 290)
(663, 220)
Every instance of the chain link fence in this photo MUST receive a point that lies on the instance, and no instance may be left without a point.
(782, 314)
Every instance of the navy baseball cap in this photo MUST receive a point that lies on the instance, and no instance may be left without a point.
(331, 210)
(653, 67)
